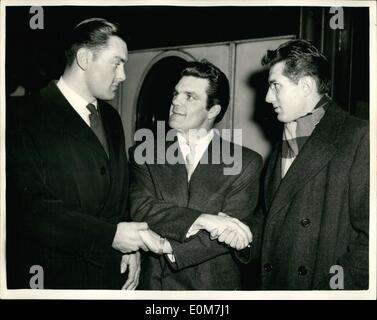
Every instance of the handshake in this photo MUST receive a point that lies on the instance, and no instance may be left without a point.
(225, 229)
(132, 236)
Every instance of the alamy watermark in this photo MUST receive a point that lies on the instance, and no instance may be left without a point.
(337, 280)
(164, 148)
(337, 20)
(37, 20)
(37, 280)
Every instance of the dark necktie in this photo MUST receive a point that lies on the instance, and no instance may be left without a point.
(96, 125)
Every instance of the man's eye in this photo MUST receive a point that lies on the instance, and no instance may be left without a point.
(275, 86)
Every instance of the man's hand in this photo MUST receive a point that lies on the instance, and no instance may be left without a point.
(132, 262)
(225, 229)
(232, 239)
(154, 242)
(127, 238)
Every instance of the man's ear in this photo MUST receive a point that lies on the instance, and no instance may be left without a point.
(83, 57)
(214, 111)
(307, 85)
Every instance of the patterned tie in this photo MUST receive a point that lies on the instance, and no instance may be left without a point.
(190, 161)
(96, 125)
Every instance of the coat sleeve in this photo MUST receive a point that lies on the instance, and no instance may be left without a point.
(240, 202)
(173, 222)
(356, 261)
(167, 219)
(42, 215)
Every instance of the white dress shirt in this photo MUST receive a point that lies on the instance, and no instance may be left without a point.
(200, 144)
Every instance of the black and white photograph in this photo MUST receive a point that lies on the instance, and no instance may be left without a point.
(188, 150)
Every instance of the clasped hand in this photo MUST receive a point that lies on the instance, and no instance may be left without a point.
(132, 236)
(226, 229)
(129, 238)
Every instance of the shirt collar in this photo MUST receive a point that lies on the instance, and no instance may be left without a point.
(77, 101)
(197, 138)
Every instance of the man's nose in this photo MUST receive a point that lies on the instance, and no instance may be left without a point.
(270, 96)
(176, 101)
(121, 74)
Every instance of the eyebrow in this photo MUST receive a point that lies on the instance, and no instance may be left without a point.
(186, 92)
(190, 92)
(120, 58)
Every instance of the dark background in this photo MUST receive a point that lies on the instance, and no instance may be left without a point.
(34, 57)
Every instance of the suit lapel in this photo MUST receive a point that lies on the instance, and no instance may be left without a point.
(68, 121)
(171, 177)
(316, 153)
(207, 168)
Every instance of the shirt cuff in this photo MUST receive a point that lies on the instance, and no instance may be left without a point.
(194, 229)
(168, 250)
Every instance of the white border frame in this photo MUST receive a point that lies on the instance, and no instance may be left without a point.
(198, 295)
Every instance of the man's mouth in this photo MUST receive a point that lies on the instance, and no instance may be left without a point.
(178, 113)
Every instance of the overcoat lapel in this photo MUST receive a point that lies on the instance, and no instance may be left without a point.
(315, 154)
(111, 140)
(68, 121)
(272, 176)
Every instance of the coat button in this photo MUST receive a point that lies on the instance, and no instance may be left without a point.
(305, 222)
(302, 270)
(103, 171)
(267, 267)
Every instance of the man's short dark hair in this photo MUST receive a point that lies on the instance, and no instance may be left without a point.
(218, 88)
(91, 33)
(301, 59)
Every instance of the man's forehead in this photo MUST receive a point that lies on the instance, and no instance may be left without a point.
(276, 71)
(277, 67)
(116, 47)
(115, 40)
(192, 83)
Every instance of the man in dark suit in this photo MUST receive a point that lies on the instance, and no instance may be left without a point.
(67, 175)
(316, 191)
(193, 200)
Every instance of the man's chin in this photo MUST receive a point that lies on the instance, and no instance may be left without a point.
(173, 125)
(282, 119)
(107, 97)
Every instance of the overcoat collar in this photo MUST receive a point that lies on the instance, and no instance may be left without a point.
(315, 154)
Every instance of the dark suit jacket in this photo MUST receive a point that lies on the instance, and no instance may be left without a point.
(318, 215)
(161, 196)
(65, 195)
